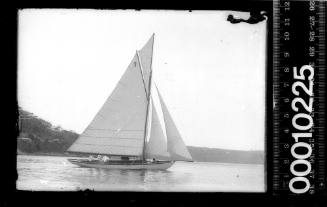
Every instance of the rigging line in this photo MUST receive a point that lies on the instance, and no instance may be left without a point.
(118, 155)
(102, 116)
(141, 69)
(111, 99)
(148, 105)
(116, 129)
(111, 145)
(134, 138)
(121, 83)
(152, 52)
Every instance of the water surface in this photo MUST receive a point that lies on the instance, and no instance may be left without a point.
(50, 173)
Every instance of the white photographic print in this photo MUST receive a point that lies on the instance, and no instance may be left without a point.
(150, 100)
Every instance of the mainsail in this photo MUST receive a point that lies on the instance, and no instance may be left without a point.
(175, 144)
(118, 128)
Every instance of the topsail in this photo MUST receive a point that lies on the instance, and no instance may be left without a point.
(146, 61)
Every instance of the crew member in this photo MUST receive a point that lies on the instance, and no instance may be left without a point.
(105, 158)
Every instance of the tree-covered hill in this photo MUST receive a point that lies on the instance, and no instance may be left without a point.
(205, 154)
(40, 136)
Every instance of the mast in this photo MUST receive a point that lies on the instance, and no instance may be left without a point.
(146, 118)
(148, 104)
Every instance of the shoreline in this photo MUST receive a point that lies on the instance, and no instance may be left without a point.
(55, 154)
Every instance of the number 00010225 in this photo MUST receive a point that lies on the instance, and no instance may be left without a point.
(307, 123)
(299, 86)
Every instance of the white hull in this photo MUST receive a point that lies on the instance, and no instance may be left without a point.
(129, 166)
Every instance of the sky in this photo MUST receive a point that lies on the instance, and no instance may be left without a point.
(211, 73)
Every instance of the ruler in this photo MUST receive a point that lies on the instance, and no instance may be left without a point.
(299, 101)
